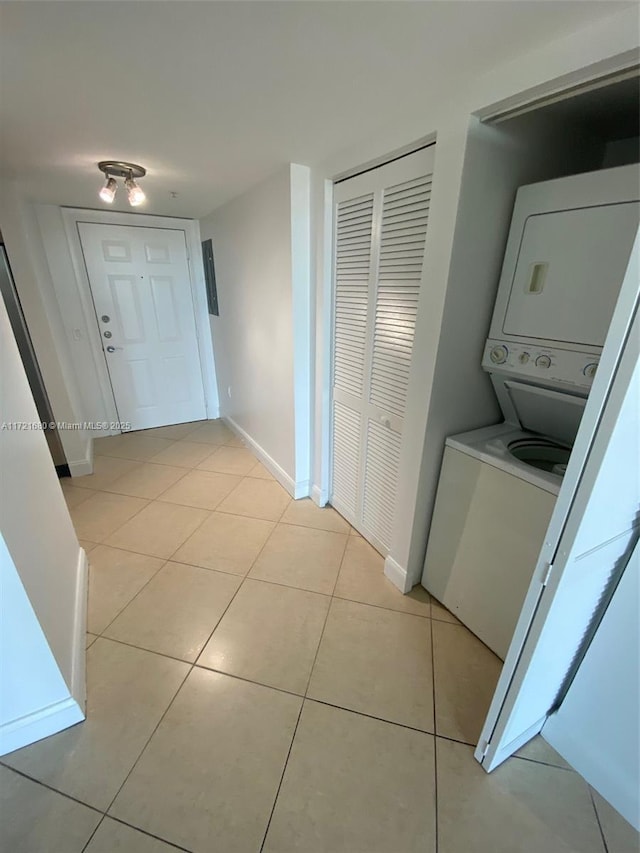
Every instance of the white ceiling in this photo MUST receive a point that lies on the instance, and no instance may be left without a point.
(213, 96)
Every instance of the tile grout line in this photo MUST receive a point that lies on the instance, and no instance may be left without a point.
(435, 739)
(131, 600)
(284, 770)
(120, 526)
(600, 827)
(146, 744)
(46, 785)
(302, 703)
(97, 827)
(136, 829)
(241, 584)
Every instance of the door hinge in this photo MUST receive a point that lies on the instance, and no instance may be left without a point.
(547, 574)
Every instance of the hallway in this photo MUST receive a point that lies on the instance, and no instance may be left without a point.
(255, 683)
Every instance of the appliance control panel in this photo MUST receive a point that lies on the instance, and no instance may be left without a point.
(547, 364)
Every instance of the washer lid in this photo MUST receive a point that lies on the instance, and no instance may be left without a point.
(551, 413)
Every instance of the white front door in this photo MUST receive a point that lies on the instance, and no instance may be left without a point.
(141, 290)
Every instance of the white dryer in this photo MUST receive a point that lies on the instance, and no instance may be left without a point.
(566, 256)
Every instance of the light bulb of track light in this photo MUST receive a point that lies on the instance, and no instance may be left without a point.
(135, 194)
(108, 191)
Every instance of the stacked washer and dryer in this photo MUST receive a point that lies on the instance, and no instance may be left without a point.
(566, 256)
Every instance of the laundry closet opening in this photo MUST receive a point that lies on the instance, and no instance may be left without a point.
(562, 250)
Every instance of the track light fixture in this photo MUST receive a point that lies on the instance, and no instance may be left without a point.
(129, 171)
(108, 191)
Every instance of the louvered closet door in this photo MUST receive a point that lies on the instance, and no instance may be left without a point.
(381, 225)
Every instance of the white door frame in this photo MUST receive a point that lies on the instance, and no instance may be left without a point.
(191, 229)
(569, 509)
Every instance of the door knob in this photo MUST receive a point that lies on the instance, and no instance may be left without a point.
(113, 349)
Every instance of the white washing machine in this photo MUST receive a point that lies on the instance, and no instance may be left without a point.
(567, 253)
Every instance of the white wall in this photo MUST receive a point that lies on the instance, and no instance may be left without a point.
(33, 283)
(445, 112)
(596, 728)
(30, 680)
(261, 338)
(44, 563)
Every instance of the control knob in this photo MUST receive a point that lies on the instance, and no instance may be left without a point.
(590, 369)
(498, 354)
(543, 361)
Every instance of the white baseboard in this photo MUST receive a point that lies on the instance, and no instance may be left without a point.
(397, 575)
(40, 724)
(319, 496)
(296, 490)
(78, 663)
(80, 467)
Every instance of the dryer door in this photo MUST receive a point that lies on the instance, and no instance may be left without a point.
(570, 266)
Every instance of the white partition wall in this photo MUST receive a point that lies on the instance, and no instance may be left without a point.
(44, 574)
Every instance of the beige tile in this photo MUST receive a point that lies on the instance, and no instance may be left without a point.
(260, 472)
(439, 612)
(173, 431)
(355, 785)
(183, 454)
(362, 579)
(354, 532)
(176, 612)
(90, 639)
(106, 469)
(539, 750)
(115, 577)
(190, 787)
(229, 460)
(235, 441)
(269, 634)
(159, 529)
(98, 517)
(256, 499)
(114, 837)
(521, 806)
(146, 481)
(211, 432)
(132, 445)
(377, 662)
(128, 692)
(72, 494)
(465, 673)
(307, 514)
(620, 836)
(36, 819)
(203, 489)
(88, 546)
(301, 557)
(228, 543)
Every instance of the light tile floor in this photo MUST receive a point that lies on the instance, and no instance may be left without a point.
(255, 683)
